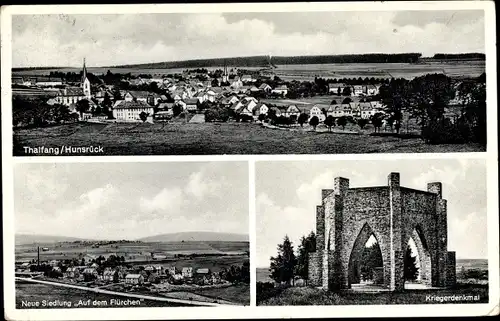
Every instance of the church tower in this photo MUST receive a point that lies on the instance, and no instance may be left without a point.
(225, 77)
(85, 82)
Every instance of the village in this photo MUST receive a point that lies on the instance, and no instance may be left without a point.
(113, 272)
(200, 95)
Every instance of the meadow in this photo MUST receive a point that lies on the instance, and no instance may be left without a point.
(217, 139)
(132, 251)
(462, 68)
(315, 296)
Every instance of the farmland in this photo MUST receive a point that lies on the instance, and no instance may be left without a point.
(461, 68)
(218, 138)
(135, 252)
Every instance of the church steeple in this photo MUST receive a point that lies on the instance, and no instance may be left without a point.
(84, 75)
(85, 82)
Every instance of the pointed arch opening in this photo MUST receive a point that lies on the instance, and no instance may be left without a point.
(365, 261)
(417, 261)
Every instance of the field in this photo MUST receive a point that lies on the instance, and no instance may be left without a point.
(39, 292)
(467, 264)
(216, 139)
(462, 68)
(314, 296)
(136, 251)
(239, 293)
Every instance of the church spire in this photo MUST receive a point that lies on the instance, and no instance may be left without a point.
(84, 75)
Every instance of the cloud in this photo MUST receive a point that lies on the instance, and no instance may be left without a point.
(167, 199)
(140, 38)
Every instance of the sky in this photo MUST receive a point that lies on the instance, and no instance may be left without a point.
(130, 200)
(106, 40)
(287, 194)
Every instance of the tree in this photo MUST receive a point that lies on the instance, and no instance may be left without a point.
(395, 97)
(262, 117)
(410, 266)
(143, 116)
(428, 96)
(329, 122)
(82, 106)
(347, 91)
(346, 100)
(377, 120)
(107, 100)
(176, 109)
(362, 122)
(283, 265)
(334, 102)
(302, 119)
(314, 121)
(306, 246)
(342, 121)
(371, 258)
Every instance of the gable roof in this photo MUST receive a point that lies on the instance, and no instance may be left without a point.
(122, 104)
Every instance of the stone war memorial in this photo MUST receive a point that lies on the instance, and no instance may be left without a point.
(393, 214)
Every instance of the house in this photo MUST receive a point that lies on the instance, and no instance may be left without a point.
(275, 110)
(265, 88)
(109, 275)
(140, 95)
(358, 90)
(134, 279)
(243, 110)
(292, 111)
(280, 90)
(317, 110)
(56, 269)
(261, 108)
(70, 95)
(131, 110)
(253, 90)
(53, 262)
(181, 103)
(172, 270)
(191, 104)
(340, 110)
(187, 272)
(247, 79)
(203, 271)
(336, 88)
(372, 90)
(90, 273)
(72, 272)
(211, 95)
(236, 83)
(228, 101)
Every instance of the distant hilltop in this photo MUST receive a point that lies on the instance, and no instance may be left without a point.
(170, 237)
(271, 62)
(197, 237)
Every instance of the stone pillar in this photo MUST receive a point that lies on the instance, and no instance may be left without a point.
(328, 200)
(340, 270)
(396, 270)
(441, 241)
(451, 270)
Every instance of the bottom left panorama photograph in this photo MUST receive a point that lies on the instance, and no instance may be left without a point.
(144, 234)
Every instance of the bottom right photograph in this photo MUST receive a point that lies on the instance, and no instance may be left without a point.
(344, 232)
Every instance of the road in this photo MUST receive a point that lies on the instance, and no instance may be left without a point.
(128, 295)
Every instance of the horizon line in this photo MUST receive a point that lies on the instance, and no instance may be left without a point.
(234, 57)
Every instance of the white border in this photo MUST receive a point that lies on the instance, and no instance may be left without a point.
(252, 312)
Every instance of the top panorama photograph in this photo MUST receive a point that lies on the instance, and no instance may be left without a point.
(249, 83)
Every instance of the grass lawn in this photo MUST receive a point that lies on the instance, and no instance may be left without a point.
(216, 139)
(314, 296)
(236, 293)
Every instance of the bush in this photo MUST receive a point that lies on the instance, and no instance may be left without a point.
(266, 290)
(216, 114)
(444, 132)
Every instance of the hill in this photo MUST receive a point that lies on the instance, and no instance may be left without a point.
(37, 238)
(196, 237)
(264, 61)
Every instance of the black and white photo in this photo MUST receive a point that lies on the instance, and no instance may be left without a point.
(249, 83)
(131, 234)
(416, 235)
